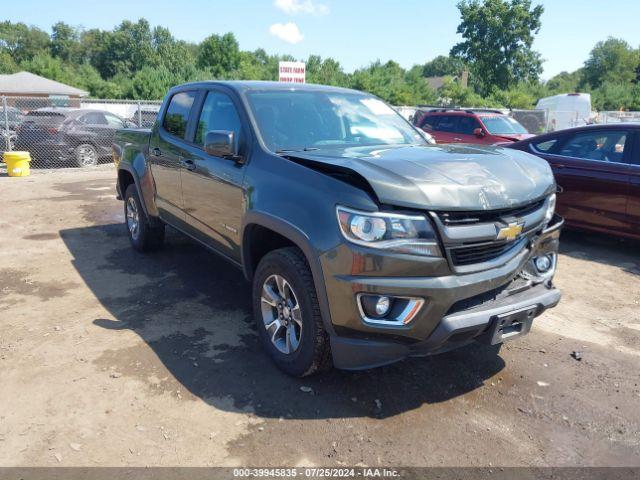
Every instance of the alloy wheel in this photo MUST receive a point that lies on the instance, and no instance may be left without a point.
(281, 314)
(133, 218)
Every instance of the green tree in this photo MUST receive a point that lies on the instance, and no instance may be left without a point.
(566, 82)
(442, 66)
(613, 96)
(612, 61)
(7, 64)
(65, 42)
(22, 42)
(325, 72)
(219, 54)
(498, 37)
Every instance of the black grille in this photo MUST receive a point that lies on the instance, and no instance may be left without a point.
(478, 253)
(462, 218)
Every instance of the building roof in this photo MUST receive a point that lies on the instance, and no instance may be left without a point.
(436, 83)
(26, 83)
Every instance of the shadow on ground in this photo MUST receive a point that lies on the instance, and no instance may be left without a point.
(605, 249)
(185, 273)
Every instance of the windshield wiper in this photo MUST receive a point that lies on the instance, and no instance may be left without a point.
(292, 150)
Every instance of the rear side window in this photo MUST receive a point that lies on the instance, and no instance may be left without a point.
(177, 114)
(448, 123)
(545, 146)
(431, 121)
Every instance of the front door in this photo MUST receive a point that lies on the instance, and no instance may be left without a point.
(633, 205)
(166, 151)
(593, 172)
(212, 186)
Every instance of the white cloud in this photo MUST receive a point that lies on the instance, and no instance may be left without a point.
(288, 32)
(302, 6)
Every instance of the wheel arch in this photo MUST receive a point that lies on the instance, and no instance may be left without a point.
(262, 233)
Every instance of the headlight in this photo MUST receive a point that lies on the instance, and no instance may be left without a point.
(411, 234)
(551, 209)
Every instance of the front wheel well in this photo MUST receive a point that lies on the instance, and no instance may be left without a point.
(257, 242)
(125, 179)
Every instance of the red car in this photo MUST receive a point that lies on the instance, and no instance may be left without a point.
(597, 169)
(485, 127)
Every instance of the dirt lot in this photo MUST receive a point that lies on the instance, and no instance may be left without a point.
(108, 357)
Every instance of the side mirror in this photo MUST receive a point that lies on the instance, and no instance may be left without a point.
(478, 132)
(220, 143)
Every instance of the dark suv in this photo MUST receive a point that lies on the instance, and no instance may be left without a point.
(68, 136)
(364, 243)
(484, 127)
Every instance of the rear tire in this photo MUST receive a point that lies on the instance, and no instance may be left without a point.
(143, 236)
(298, 343)
(85, 155)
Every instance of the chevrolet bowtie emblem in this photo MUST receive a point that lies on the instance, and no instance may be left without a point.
(510, 232)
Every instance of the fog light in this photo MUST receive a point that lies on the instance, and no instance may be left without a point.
(544, 263)
(376, 306)
(382, 306)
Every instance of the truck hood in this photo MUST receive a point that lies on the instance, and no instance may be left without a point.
(443, 177)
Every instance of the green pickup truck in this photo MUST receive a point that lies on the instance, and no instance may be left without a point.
(365, 244)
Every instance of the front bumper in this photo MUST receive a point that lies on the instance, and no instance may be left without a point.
(453, 331)
(458, 308)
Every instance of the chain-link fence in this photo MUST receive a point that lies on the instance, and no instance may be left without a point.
(68, 132)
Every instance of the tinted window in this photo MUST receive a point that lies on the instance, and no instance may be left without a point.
(94, 118)
(603, 146)
(448, 123)
(466, 125)
(177, 115)
(431, 122)
(218, 113)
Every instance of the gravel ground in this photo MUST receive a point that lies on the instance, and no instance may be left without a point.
(111, 358)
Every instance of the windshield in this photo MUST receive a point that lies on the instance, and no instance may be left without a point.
(291, 120)
(503, 126)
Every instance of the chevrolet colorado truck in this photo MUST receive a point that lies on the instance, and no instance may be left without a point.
(364, 243)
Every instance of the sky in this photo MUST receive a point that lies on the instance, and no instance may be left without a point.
(355, 32)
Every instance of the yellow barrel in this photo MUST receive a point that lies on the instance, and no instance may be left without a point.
(17, 163)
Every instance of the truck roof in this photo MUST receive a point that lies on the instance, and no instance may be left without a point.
(259, 85)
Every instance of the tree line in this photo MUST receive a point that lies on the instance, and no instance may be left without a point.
(137, 61)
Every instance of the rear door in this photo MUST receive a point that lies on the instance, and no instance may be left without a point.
(167, 148)
(592, 169)
(212, 186)
(96, 130)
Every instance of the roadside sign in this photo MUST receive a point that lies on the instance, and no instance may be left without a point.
(292, 72)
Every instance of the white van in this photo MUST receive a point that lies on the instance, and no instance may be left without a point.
(567, 110)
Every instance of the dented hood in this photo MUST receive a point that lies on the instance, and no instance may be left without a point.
(443, 177)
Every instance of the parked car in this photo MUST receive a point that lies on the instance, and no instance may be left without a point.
(62, 136)
(145, 117)
(364, 243)
(485, 127)
(598, 171)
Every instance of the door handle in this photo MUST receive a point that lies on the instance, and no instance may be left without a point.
(559, 166)
(156, 152)
(188, 164)
(456, 139)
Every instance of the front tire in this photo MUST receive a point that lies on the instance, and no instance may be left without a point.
(287, 314)
(143, 236)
